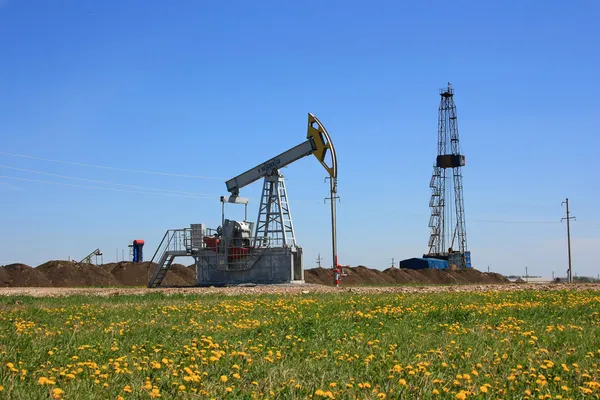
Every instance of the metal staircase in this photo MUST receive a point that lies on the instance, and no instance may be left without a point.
(175, 243)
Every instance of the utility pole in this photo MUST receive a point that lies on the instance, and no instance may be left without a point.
(526, 275)
(568, 218)
(319, 259)
(488, 269)
(393, 264)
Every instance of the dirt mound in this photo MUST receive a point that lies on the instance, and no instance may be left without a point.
(367, 276)
(72, 274)
(318, 275)
(183, 273)
(362, 275)
(129, 273)
(401, 276)
(21, 275)
(138, 274)
(4, 278)
(496, 277)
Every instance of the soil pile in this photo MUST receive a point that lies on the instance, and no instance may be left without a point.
(72, 274)
(127, 274)
(362, 275)
(17, 275)
(138, 274)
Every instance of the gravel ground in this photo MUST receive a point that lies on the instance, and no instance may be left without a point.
(287, 289)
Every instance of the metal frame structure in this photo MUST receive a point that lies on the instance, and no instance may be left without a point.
(447, 233)
(231, 254)
(88, 259)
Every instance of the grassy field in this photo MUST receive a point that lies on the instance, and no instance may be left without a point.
(449, 345)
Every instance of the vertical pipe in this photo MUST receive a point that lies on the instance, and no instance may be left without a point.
(333, 188)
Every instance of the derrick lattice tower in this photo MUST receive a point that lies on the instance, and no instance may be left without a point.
(447, 222)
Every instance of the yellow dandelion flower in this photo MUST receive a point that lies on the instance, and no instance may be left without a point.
(223, 378)
(483, 389)
(461, 395)
(402, 382)
(435, 391)
(381, 395)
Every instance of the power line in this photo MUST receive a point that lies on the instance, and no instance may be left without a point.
(107, 167)
(514, 222)
(101, 188)
(584, 224)
(104, 182)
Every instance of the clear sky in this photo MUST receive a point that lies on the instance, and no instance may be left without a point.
(210, 89)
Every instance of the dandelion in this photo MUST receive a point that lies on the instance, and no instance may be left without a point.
(45, 381)
(223, 378)
(461, 395)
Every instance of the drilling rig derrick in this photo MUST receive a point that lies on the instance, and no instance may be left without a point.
(448, 238)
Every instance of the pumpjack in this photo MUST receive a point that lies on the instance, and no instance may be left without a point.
(243, 251)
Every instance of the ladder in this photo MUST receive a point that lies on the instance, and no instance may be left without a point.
(161, 269)
(175, 243)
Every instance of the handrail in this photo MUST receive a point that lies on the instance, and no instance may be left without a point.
(159, 246)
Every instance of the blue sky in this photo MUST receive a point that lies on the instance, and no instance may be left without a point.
(211, 89)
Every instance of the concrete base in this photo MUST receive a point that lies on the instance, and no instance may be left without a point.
(275, 265)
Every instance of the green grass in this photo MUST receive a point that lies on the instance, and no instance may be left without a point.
(480, 345)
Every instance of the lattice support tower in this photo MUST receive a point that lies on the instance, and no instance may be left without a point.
(447, 221)
(274, 227)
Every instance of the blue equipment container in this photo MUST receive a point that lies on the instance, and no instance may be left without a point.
(138, 254)
(422, 263)
(467, 259)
